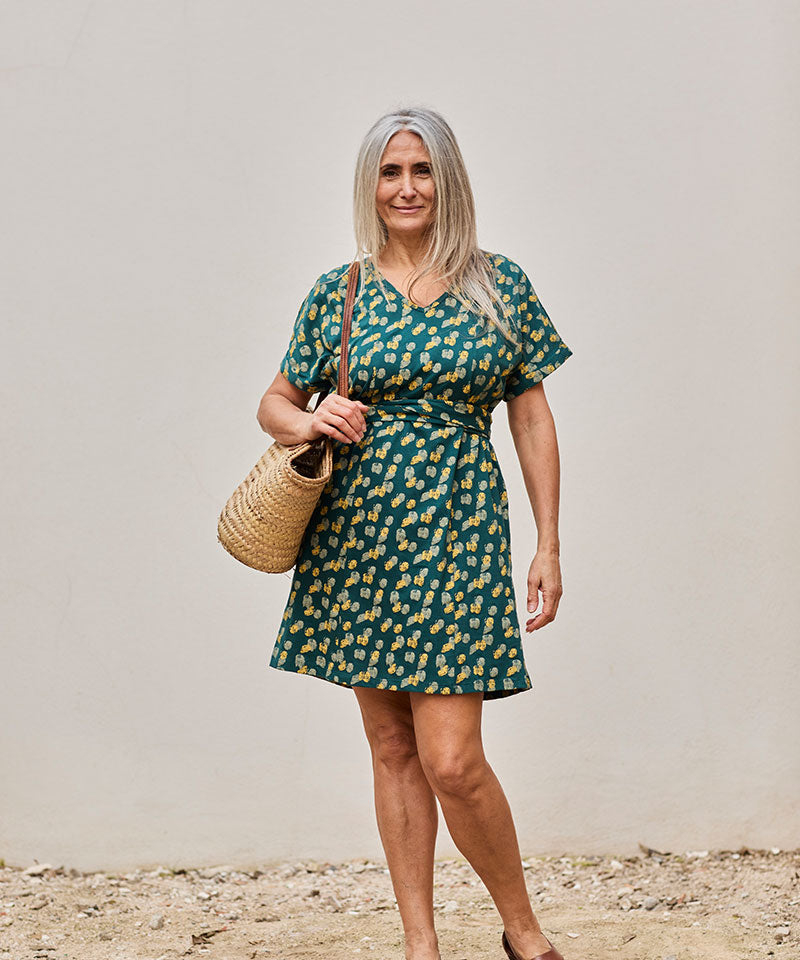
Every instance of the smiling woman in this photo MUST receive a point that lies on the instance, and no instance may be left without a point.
(403, 588)
(406, 202)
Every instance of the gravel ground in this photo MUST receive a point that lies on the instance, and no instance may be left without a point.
(719, 905)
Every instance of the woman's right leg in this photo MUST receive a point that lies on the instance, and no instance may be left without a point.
(406, 811)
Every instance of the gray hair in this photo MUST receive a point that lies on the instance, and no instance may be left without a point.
(452, 252)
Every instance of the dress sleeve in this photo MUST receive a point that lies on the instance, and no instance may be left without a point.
(308, 362)
(541, 349)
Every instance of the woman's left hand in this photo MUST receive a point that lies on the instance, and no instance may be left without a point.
(544, 575)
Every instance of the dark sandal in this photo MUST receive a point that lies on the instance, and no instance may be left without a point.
(551, 954)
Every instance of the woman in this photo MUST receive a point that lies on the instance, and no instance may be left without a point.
(402, 588)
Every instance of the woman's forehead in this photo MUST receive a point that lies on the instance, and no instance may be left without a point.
(404, 145)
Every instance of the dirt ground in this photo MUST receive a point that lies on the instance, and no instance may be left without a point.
(700, 905)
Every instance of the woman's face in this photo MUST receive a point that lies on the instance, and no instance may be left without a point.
(406, 191)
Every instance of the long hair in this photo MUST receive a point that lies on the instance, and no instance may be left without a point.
(451, 253)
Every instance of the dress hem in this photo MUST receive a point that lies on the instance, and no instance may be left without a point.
(497, 694)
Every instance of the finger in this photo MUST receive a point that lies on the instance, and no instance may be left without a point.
(336, 411)
(344, 426)
(360, 419)
(533, 598)
(547, 614)
(539, 620)
(349, 410)
(537, 623)
(357, 418)
(549, 606)
(359, 413)
(330, 430)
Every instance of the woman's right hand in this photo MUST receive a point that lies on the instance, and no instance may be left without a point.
(339, 418)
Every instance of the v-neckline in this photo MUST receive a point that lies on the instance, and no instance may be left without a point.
(414, 306)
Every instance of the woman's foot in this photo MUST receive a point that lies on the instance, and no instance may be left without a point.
(528, 942)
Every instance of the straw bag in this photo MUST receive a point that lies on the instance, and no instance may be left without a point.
(263, 523)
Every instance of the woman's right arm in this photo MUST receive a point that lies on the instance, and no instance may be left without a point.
(283, 415)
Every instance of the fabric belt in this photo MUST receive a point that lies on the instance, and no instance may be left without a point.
(468, 416)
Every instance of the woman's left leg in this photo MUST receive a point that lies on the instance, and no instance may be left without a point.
(448, 734)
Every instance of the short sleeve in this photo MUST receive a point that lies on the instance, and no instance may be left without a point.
(541, 349)
(309, 361)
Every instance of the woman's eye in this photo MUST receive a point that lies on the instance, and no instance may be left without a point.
(425, 171)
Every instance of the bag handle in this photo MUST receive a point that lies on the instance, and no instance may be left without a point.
(343, 388)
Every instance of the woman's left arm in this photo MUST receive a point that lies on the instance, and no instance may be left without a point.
(534, 433)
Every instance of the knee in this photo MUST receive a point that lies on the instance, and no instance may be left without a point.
(393, 744)
(455, 774)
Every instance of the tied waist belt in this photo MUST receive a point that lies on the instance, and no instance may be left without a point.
(437, 411)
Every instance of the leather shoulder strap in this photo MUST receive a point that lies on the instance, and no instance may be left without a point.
(343, 387)
(344, 365)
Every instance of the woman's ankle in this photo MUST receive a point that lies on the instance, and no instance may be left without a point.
(422, 945)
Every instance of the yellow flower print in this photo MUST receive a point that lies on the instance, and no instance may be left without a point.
(379, 576)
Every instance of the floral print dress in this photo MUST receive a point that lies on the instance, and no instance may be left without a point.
(403, 580)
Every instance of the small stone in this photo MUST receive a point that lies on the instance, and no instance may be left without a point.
(625, 891)
(625, 904)
(157, 922)
(650, 903)
(37, 869)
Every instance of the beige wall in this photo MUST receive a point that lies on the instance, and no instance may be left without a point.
(176, 176)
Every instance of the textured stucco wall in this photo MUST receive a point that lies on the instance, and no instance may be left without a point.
(176, 176)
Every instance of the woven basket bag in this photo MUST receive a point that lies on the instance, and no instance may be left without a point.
(263, 523)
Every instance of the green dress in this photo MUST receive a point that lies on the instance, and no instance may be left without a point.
(403, 580)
